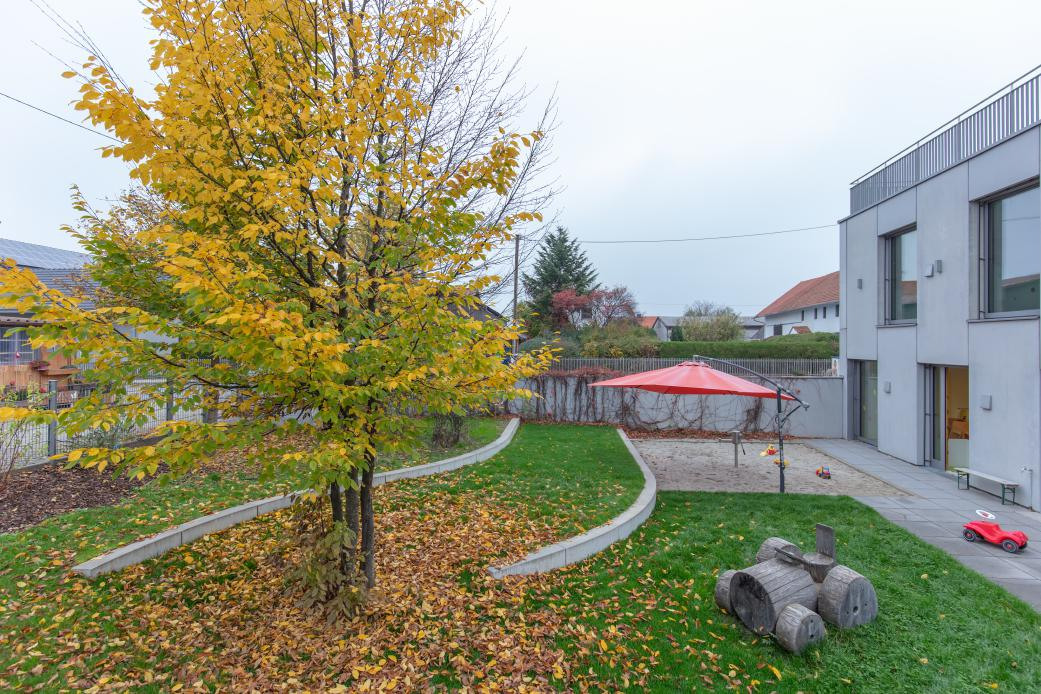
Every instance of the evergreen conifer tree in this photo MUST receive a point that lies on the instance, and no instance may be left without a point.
(560, 264)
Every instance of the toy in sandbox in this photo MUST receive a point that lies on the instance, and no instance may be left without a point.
(824, 472)
(791, 594)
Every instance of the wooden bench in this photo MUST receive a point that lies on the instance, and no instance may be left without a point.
(1006, 485)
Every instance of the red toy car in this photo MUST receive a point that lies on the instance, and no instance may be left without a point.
(1010, 540)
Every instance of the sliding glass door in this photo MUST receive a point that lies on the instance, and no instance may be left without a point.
(865, 401)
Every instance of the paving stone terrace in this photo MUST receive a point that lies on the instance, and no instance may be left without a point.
(935, 510)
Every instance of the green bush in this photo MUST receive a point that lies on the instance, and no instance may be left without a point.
(755, 349)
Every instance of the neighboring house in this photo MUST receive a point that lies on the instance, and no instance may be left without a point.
(941, 258)
(658, 325)
(21, 366)
(811, 306)
(752, 328)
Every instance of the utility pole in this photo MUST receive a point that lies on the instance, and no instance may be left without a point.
(516, 279)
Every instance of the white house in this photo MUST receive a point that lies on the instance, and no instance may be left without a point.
(811, 306)
(751, 326)
(941, 258)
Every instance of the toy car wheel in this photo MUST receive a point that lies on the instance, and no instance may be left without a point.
(1009, 546)
(970, 535)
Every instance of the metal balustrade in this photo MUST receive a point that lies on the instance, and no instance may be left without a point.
(999, 117)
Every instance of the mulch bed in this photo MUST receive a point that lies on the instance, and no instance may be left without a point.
(699, 434)
(33, 495)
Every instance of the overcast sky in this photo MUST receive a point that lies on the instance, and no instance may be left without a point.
(677, 119)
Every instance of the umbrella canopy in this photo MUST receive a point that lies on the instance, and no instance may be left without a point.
(691, 378)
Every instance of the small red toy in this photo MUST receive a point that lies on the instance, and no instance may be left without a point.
(824, 472)
(1010, 540)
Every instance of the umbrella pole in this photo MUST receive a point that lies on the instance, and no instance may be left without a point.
(780, 438)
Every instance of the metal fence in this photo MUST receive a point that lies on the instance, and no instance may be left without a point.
(767, 367)
(1000, 116)
(40, 442)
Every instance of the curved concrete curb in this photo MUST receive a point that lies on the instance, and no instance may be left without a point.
(158, 544)
(579, 547)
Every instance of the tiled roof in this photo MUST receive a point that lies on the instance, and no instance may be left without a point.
(819, 290)
(648, 321)
(68, 281)
(36, 256)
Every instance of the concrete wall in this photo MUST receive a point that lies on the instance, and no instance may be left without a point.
(1003, 367)
(1003, 355)
(571, 399)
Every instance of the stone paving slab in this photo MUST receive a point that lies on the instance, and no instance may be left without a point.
(935, 510)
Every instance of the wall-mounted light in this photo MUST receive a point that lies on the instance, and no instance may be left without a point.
(939, 267)
(986, 402)
(860, 283)
(887, 387)
(929, 270)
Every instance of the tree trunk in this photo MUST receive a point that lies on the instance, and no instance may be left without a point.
(368, 527)
(448, 430)
(337, 505)
(351, 511)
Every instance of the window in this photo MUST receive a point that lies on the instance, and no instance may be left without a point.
(814, 313)
(777, 329)
(825, 311)
(802, 314)
(836, 310)
(902, 277)
(1012, 253)
(15, 348)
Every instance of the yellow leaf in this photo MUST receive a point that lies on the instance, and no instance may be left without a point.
(777, 673)
(75, 455)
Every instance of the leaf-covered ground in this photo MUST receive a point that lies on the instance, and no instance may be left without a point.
(219, 611)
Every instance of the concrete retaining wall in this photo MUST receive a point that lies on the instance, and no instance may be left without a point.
(159, 544)
(575, 549)
(565, 398)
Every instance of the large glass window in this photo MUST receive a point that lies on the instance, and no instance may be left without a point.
(902, 278)
(1013, 252)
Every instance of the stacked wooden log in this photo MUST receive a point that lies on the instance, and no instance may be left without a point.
(787, 593)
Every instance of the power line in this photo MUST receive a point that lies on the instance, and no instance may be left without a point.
(714, 238)
(55, 115)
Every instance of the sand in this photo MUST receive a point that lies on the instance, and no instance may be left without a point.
(700, 465)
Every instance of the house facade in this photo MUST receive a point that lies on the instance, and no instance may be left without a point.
(21, 366)
(940, 264)
(811, 306)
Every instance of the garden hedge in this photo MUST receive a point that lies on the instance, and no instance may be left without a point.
(753, 349)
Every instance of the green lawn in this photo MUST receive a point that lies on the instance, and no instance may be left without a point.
(569, 477)
(476, 433)
(941, 627)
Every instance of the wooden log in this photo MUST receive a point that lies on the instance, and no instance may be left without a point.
(826, 540)
(798, 627)
(818, 565)
(847, 599)
(768, 550)
(760, 592)
(723, 590)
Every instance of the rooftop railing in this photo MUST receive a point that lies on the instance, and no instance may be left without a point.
(1002, 115)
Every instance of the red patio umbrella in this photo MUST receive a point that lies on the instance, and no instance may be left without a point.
(696, 377)
(692, 378)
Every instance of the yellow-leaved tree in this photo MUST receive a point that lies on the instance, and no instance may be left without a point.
(321, 187)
